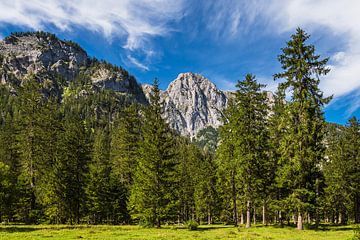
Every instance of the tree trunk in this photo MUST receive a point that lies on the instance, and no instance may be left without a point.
(254, 217)
(294, 219)
(263, 215)
(340, 220)
(242, 217)
(300, 222)
(248, 214)
(234, 199)
(209, 216)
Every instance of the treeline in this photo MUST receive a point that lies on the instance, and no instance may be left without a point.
(279, 155)
(95, 156)
(98, 157)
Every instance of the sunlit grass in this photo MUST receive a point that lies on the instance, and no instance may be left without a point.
(170, 232)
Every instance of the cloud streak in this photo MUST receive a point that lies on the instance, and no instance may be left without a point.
(136, 22)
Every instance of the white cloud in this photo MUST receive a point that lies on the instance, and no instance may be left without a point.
(134, 21)
(137, 63)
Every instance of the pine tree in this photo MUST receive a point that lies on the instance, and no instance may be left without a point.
(251, 144)
(342, 172)
(227, 166)
(126, 137)
(8, 155)
(302, 147)
(152, 194)
(337, 192)
(98, 186)
(36, 143)
(243, 148)
(65, 195)
(352, 157)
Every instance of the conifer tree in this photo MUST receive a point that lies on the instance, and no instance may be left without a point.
(126, 137)
(65, 198)
(152, 194)
(98, 186)
(36, 144)
(252, 142)
(302, 147)
(227, 165)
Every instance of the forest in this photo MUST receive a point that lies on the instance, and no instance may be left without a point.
(97, 157)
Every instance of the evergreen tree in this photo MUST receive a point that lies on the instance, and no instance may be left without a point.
(36, 144)
(126, 137)
(302, 147)
(8, 155)
(152, 194)
(251, 144)
(98, 187)
(243, 148)
(227, 166)
(342, 172)
(65, 198)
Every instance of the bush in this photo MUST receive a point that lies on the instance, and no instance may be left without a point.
(356, 233)
(192, 225)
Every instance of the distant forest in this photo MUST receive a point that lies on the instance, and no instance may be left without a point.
(96, 157)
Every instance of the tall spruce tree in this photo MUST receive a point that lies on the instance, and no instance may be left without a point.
(243, 148)
(153, 191)
(8, 154)
(342, 172)
(36, 123)
(252, 142)
(98, 183)
(227, 164)
(302, 147)
(126, 137)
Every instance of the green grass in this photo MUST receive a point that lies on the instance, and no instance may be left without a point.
(9, 232)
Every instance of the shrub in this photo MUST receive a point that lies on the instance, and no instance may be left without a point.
(356, 232)
(192, 225)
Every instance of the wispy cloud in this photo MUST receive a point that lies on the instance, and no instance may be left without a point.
(136, 22)
(137, 63)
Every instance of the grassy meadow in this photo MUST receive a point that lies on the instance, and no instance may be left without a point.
(204, 232)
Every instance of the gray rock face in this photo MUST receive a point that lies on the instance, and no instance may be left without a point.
(48, 57)
(41, 55)
(191, 103)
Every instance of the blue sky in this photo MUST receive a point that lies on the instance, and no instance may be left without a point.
(221, 39)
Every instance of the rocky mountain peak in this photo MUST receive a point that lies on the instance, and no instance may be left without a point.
(192, 102)
(40, 52)
(50, 58)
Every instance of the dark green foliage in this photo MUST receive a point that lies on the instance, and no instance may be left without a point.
(207, 139)
(65, 201)
(153, 192)
(242, 155)
(79, 152)
(192, 225)
(341, 172)
(301, 145)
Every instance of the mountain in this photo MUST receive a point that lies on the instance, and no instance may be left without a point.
(191, 103)
(57, 62)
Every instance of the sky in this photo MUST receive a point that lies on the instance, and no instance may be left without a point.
(220, 39)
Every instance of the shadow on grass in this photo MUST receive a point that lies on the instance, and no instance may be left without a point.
(18, 229)
(15, 229)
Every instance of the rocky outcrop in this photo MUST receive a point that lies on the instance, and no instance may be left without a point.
(193, 103)
(49, 58)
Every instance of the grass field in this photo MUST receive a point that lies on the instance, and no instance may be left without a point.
(9, 232)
